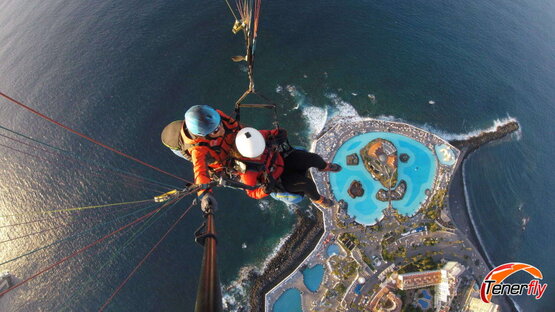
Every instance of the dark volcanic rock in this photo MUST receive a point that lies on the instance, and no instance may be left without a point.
(352, 160)
(404, 157)
(472, 143)
(303, 240)
(355, 190)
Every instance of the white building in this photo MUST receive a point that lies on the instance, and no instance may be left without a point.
(446, 290)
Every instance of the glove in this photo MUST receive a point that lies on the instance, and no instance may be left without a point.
(208, 203)
(267, 189)
(281, 135)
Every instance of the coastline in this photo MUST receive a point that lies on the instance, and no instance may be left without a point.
(306, 233)
(459, 208)
(299, 245)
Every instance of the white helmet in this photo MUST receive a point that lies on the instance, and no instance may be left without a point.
(250, 142)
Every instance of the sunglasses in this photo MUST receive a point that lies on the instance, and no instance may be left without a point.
(216, 130)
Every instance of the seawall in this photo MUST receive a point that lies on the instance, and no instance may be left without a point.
(458, 205)
(306, 234)
(470, 144)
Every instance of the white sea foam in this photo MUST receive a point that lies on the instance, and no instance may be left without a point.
(372, 98)
(450, 136)
(315, 118)
(234, 295)
(468, 207)
(467, 199)
(517, 135)
(461, 136)
(264, 204)
(341, 107)
(297, 95)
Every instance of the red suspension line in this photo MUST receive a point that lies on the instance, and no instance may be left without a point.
(143, 260)
(31, 234)
(89, 138)
(75, 160)
(92, 173)
(48, 268)
(57, 226)
(64, 216)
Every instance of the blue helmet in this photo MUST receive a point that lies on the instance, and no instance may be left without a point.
(202, 120)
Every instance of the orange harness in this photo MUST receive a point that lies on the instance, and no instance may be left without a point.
(211, 154)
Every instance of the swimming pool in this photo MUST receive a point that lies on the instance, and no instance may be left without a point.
(313, 277)
(358, 288)
(419, 172)
(426, 294)
(333, 249)
(289, 301)
(423, 303)
(445, 155)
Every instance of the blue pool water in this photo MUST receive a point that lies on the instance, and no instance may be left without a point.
(423, 303)
(313, 277)
(289, 301)
(419, 173)
(445, 155)
(333, 249)
(358, 288)
(426, 294)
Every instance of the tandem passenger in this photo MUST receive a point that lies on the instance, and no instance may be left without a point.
(260, 163)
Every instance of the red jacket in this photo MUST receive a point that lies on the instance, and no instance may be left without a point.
(269, 163)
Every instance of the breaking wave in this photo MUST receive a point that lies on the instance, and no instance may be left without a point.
(317, 117)
(341, 107)
(235, 296)
(461, 136)
(264, 204)
(467, 200)
(475, 229)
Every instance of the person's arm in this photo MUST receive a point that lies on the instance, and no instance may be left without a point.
(250, 178)
(232, 122)
(200, 167)
(277, 135)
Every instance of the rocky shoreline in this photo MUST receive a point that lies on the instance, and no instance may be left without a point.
(457, 201)
(308, 230)
(306, 234)
(467, 146)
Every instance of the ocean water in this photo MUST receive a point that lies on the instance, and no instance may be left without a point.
(120, 70)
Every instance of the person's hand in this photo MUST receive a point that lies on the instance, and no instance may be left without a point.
(266, 188)
(281, 134)
(208, 203)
